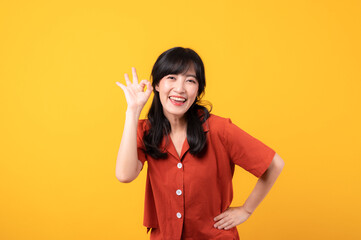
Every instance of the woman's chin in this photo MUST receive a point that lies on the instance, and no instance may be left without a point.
(175, 113)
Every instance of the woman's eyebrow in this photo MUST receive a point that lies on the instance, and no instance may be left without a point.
(189, 75)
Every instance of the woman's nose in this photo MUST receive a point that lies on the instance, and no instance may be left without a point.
(179, 87)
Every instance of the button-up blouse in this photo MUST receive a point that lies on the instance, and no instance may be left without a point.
(185, 193)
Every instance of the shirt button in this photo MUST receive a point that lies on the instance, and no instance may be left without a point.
(179, 192)
(179, 215)
(179, 165)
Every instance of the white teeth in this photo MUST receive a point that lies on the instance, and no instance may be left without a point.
(178, 99)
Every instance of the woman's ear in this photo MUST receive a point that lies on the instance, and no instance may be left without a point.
(157, 88)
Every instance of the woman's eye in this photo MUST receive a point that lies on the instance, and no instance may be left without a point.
(171, 77)
(192, 81)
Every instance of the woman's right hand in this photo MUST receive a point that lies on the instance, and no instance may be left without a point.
(134, 92)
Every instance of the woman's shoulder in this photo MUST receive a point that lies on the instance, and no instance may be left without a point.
(216, 119)
(217, 124)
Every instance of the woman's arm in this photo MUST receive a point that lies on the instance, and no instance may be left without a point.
(264, 184)
(128, 165)
(234, 216)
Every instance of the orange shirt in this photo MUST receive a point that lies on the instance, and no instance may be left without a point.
(185, 193)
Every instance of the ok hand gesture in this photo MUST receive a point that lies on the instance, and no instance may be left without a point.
(134, 92)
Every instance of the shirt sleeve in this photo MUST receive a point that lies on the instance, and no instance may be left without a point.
(140, 145)
(246, 151)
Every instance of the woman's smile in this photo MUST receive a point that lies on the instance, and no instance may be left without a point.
(177, 100)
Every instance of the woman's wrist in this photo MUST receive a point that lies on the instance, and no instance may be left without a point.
(247, 211)
(133, 113)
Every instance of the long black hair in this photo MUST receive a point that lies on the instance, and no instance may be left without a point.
(175, 61)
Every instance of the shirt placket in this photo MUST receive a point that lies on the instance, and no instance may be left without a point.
(179, 196)
(178, 189)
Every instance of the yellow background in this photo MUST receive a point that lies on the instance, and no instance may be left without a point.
(286, 72)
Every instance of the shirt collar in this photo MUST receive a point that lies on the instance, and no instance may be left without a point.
(168, 145)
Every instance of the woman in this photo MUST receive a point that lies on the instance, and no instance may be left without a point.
(191, 154)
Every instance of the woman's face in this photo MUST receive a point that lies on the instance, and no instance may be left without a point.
(177, 93)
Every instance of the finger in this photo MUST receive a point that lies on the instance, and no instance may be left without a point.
(149, 89)
(122, 87)
(143, 83)
(227, 223)
(219, 217)
(222, 215)
(135, 77)
(128, 95)
(127, 79)
(220, 222)
(229, 226)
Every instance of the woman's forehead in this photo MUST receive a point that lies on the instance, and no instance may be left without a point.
(188, 70)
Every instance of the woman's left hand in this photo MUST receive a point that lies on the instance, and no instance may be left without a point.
(230, 218)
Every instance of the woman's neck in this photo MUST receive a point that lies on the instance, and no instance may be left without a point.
(178, 125)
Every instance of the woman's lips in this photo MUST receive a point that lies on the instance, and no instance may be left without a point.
(177, 103)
